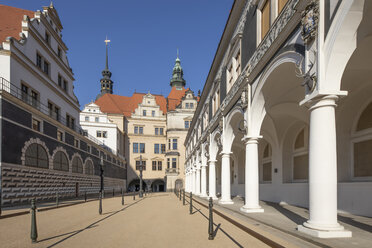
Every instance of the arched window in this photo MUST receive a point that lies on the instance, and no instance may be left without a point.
(301, 156)
(36, 156)
(266, 164)
(77, 165)
(362, 144)
(89, 167)
(60, 161)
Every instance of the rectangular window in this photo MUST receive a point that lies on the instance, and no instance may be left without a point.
(72, 123)
(59, 136)
(59, 80)
(38, 60)
(266, 172)
(161, 131)
(153, 165)
(168, 163)
(144, 113)
(99, 134)
(153, 113)
(85, 132)
(34, 98)
(136, 130)
(265, 19)
(46, 67)
(86, 118)
(56, 113)
(191, 105)
(24, 89)
(138, 165)
(162, 148)
(76, 143)
(187, 105)
(156, 131)
(97, 119)
(187, 124)
(169, 144)
(65, 85)
(142, 147)
(104, 134)
(47, 38)
(160, 165)
(174, 163)
(59, 52)
(174, 144)
(301, 167)
(156, 148)
(50, 108)
(36, 125)
(140, 130)
(135, 147)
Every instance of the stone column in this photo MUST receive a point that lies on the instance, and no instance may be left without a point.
(251, 176)
(323, 172)
(225, 179)
(212, 179)
(197, 186)
(203, 192)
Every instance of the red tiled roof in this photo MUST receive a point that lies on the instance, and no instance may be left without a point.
(126, 105)
(11, 21)
(174, 97)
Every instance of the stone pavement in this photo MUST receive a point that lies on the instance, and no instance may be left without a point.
(158, 220)
(282, 221)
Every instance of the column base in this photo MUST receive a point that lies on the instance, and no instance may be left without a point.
(226, 202)
(337, 233)
(246, 209)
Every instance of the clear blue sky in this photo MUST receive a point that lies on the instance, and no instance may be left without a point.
(144, 38)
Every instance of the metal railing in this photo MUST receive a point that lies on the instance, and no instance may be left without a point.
(33, 101)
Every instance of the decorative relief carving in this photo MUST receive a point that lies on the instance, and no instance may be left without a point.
(309, 21)
(309, 75)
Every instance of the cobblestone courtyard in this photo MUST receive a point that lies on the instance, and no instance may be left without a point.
(159, 220)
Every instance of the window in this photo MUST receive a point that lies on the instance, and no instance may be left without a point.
(169, 144)
(86, 118)
(142, 147)
(135, 147)
(85, 132)
(46, 67)
(161, 131)
(76, 143)
(174, 163)
(54, 111)
(266, 164)
(265, 19)
(70, 121)
(77, 165)
(59, 136)
(301, 156)
(89, 168)
(34, 99)
(160, 165)
(362, 145)
(24, 89)
(140, 130)
(104, 134)
(162, 148)
(60, 162)
(154, 165)
(156, 149)
(168, 163)
(136, 130)
(36, 125)
(59, 52)
(153, 113)
(156, 131)
(138, 165)
(96, 119)
(99, 134)
(187, 105)
(191, 105)
(174, 144)
(59, 80)
(47, 38)
(38, 60)
(65, 85)
(144, 113)
(36, 156)
(187, 124)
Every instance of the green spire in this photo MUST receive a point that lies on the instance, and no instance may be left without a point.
(177, 77)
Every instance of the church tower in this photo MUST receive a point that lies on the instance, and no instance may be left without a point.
(107, 85)
(177, 78)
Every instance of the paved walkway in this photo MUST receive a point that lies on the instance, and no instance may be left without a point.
(282, 221)
(158, 220)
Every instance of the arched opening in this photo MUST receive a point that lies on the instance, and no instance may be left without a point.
(89, 169)
(36, 156)
(77, 165)
(134, 185)
(60, 161)
(158, 186)
(300, 156)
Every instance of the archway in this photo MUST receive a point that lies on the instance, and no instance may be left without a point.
(158, 185)
(134, 185)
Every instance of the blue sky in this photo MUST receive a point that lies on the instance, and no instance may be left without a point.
(144, 38)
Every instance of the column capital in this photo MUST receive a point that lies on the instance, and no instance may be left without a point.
(251, 139)
(212, 161)
(226, 153)
(324, 101)
(317, 97)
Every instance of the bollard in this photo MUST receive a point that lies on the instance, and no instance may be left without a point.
(134, 196)
(85, 196)
(57, 202)
(190, 202)
(33, 222)
(100, 203)
(184, 197)
(210, 230)
(122, 197)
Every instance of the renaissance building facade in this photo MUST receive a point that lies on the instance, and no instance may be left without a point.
(286, 111)
(154, 128)
(43, 149)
